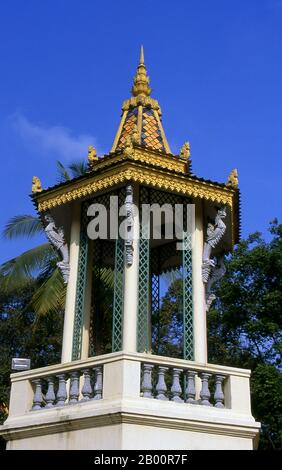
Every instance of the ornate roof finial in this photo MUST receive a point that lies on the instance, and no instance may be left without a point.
(92, 155)
(141, 61)
(36, 185)
(185, 150)
(141, 79)
(233, 181)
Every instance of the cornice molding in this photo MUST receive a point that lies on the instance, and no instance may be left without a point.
(60, 425)
(157, 159)
(131, 171)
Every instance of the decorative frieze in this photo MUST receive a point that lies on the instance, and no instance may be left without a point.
(126, 172)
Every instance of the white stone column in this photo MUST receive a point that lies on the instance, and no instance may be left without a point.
(199, 306)
(71, 287)
(130, 292)
(87, 304)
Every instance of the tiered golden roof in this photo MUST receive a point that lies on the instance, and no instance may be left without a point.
(141, 116)
(141, 154)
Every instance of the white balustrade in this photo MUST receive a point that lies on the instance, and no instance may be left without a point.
(57, 394)
(163, 379)
(182, 385)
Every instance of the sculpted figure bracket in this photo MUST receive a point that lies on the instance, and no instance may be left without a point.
(212, 270)
(56, 237)
(129, 220)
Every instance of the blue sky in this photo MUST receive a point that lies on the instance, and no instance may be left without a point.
(215, 67)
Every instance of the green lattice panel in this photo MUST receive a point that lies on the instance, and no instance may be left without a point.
(163, 197)
(118, 297)
(187, 299)
(143, 281)
(81, 283)
(155, 300)
(105, 266)
(95, 304)
(143, 293)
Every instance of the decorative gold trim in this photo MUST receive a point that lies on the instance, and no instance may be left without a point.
(129, 171)
(144, 101)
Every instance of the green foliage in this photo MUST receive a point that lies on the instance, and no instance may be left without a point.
(74, 170)
(22, 336)
(245, 325)
(266, 388)
(23, 225)
(247, 320)
(63, 173)
(50, 295)
(38, 264)
(32, 297)
(25, 267)
(167, 324)
(78, 168)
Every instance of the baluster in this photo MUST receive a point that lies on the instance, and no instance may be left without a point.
(50, 395)
(190, 387)
(161, 385)
(147, 381)
(62, 390)
(87, 388)
(218, 394)
(74, 387)
(37, 399)
(205, 393)
(98, 387)
(176, 387)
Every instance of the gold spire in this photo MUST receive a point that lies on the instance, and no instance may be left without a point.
(141, 117)
(142, 55)
(141, 79)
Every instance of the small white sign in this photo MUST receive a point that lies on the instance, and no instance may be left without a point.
(20, 363)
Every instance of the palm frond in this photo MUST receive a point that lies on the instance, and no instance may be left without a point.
(21, 269)
(107, 277)
(78, 168)
(50, 296)
(22, 225)
(63, 173)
